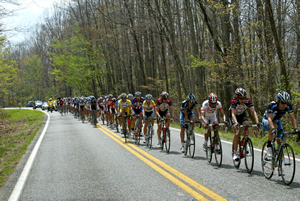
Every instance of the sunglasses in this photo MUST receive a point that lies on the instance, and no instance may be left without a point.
(242, 98)
(283, 103)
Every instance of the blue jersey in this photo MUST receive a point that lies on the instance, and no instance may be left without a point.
(137, 105)
(117, 103)
(185, 106)
(277, 113)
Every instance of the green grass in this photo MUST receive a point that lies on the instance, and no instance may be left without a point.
(20, 128)
(257, 141)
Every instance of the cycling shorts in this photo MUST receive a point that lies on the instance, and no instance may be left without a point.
(265, 124)
(211, 119)
(240, 119)
(191, 114)
(138, 111)
(148, 114)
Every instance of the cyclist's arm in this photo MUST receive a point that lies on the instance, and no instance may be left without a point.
(172, 111)
(198, 113)
(293, 119)
(270, 117)
(223, 114)
(203, 117)
(254, 114)
(156, 109)
(185, 115)
(233, 112)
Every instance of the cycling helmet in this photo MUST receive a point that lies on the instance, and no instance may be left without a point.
(283, 96)
(129, 96)
(92, 97)
(191, 98)
(213, 98)
(114, 100)
(148, 97)
(101, 98)
(106, 97)
(50, 99)
(110, 96)
(123, 95)
(240, 92)
(164, 94)
(138, 93)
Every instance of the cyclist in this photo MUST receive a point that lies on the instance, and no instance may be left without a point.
(148, 112)
(81, 107)
(209, 116)
(124, 108)
(237, 116)
(164, 106)
(186, 113)
(273, 115)
(137, 109)
(112, 109)
(94, 107)
(60, 103)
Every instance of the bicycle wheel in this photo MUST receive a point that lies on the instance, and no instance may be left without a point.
(267, 164)
(125, 130)
(163, 140)
(237, 164)
(209, 148)
(102, 117)
(218, 152)
(287, 164)
(248, 155)
(187, 142)
(192, 145)
(168, 140)
(150, 137)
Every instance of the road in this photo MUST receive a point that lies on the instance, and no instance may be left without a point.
(76, 161)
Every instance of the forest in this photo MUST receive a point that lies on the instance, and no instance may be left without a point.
(98, 47)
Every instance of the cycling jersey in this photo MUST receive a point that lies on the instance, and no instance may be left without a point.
(210, 111)
(137, 105)
(150, 107)
(185, 106)
(163, 107)
(273, 108)
(125, 106)
(240, 109)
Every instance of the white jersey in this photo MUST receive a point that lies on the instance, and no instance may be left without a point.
(209, 111)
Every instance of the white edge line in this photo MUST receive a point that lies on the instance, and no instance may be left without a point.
(202, 135)
(15, 195)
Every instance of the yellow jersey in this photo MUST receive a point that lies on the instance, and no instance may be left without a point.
(150, 107)
(124, 105)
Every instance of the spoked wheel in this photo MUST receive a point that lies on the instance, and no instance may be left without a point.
(168, 140)
(137, 136)
(102, 117)
(187, 143)
(218, 150)
(236, 164)
(287, 164)
(248, 155)
(266, 162)
(149, 139)
(192, 145)
(209, 149)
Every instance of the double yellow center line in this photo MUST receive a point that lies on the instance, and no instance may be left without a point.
(165, 169)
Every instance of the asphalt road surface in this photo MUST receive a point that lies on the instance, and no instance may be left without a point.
(76, 161)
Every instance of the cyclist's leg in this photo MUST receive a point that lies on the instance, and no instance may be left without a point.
(182, 130)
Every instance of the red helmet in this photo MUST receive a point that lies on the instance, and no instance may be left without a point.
(213, 98)
(164, 94)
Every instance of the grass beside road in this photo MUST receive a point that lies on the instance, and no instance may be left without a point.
(257, 141)
(17, 130)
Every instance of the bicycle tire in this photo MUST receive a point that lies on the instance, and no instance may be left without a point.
(218, 154)
(102, 117)
(237, 164)
(192, 145)
(125, 130)
(150, 137)
(289, 161)
(168, 140)
(163, 140)
(267, 165)
(187, 142)
(209, 149)
(248, 155)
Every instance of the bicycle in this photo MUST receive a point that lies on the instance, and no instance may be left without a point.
(150, 132)
(190, 138)
(212, 141)
(282, 158)
(166, 138)
(245, 150)
(125, 127)
(137, 130)
(102, 116)
(116, 122)
(94, 119)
